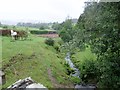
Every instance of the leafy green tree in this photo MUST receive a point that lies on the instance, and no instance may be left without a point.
(99, 27)
(67, 31)
(65, 36)
(42, 28)
(56, 26)
(49, 41)
(5, 27)
(67, 24)
(13, 27)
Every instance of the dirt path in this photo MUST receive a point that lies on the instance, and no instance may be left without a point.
(54, 81)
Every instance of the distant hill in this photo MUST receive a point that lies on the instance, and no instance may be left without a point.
(7, 22)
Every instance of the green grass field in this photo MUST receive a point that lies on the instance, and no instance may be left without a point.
(27, 28)
(33, 58)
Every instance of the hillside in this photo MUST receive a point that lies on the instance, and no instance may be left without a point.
(32, 57)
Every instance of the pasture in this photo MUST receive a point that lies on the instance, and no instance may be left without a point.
(33, 58)
(21, 59)
(27, 28)
(23, 31)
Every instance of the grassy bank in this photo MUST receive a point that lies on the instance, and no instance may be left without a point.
(33, 58)
(86, 61)
(82, 55)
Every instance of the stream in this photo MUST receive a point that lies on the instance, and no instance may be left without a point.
(77, 74)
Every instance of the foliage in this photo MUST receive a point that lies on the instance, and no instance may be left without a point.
(80, 56)
(42, 28)
(14, 27)
(57, 47)
(41, 32)
(85, 61)
(5, 27)
(69, 70)
(65, 36)
(67, 24)
(67, 31)
(89, 71)
(75, 80)
(38, 32)
(49, 41)
(56, 26)
(99, 28)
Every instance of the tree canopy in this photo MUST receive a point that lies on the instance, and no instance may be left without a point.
(99, 25)
(99, 28)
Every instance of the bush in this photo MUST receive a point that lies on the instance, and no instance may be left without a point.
(42, 28)
(60, 42)
(49, 41)
(5, 27)
(42, 32)
(89, 71)
(39, 32)
(69, 70)
(75, 80)
(56, 47)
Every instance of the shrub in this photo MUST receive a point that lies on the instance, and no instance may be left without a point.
(60, 42)
(42, 32)
(42, 28)
(49, 41)
(75, 80)
(38, 32)
(56, 47)
(69, 70)
(89, 71)
(5, 27)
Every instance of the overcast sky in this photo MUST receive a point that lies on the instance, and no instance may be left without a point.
(40, 10)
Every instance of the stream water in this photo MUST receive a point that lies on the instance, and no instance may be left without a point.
(77, 74)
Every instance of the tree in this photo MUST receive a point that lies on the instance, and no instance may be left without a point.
(5, 27)
(13, 27)
(67, 24)
(98, 27)
(67, 31)
(56, 26)
(41, 28)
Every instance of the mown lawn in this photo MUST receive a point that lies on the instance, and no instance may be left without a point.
(32, 58)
